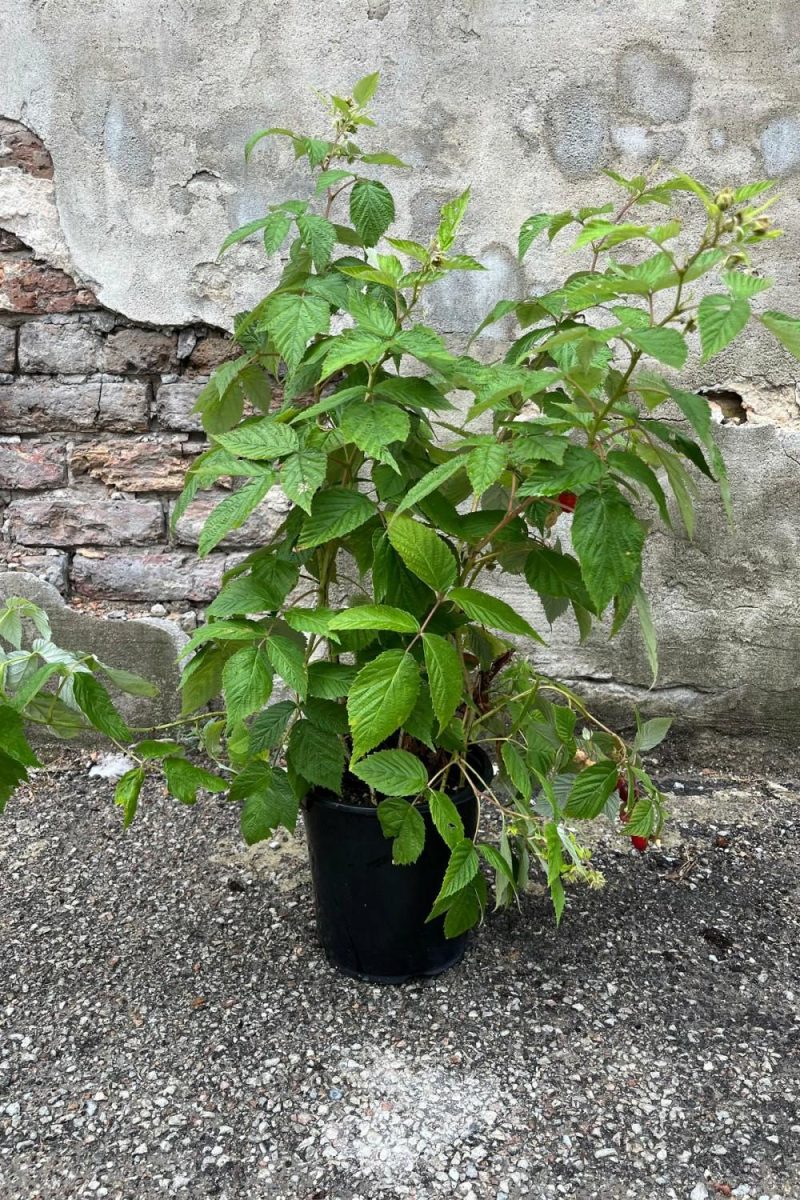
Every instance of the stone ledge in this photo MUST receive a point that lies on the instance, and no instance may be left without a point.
(148, 646)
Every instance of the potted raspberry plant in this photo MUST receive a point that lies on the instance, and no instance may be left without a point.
(369, 671)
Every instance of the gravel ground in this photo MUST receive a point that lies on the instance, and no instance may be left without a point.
(169, 1026)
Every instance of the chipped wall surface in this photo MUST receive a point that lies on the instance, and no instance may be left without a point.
(121, 170)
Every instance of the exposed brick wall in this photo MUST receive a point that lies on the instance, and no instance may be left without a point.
(96, 434)
(97, 431)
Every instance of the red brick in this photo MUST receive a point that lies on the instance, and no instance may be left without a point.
(21, 147)
(29, 286)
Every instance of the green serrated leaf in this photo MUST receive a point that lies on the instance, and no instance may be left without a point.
(292, 320)
(591, 790)
(786, 329)
(580, 467)
(381, 696)
(491, 612)
(648, 630)
(336, 511)
(246, 231)
(247, 683)
(405, 825)
(743, 286)
(516, 770)
(633, 467)
(255, 593)
(451, 217)
(720, 319)
(184, 780)
(445, 676)
(667, 345)
(462, 868)
(317, 755)
(232, 512)
(12, 773)
(430, 483)
(446, 818)
(302, 475)
(288, 659)
(319, 236)
(96, 704)
(157, 748)
(551, 573)
(309, 620)
(652, 733)
(423, 552)
(374, 426)
(375, 616)
(255, 138)
(392, 773)
(266, 806)
(268, 728)
(13, 739)
(531, 228)
(465, 909)
(385, 159)
(366, 88)
(371, 209)
(261, 440)
(608, 541)
(350, 347)
(485, 465)
(330, 681)
(276, 227)
(126, 793)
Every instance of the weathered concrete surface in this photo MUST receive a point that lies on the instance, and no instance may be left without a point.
(508, 95)
(150, 647)
(725, 608)
(117, 187)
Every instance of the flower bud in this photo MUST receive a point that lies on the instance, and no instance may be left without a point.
(733, 260)
(725, 198)
(761, 226)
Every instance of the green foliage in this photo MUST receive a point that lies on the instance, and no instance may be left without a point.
(403, 823)
(372, 611)
(393, 773)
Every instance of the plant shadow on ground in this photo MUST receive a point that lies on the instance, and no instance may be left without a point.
(170, 1025)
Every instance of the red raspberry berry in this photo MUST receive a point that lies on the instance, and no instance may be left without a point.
(567, 500)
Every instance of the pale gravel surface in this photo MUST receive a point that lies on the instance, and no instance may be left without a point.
(169, 1027)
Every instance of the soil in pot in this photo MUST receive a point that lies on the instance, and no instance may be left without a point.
(371, 914)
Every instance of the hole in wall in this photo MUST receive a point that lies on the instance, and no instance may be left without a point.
(729, 406)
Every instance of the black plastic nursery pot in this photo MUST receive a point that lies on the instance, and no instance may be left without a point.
(371, 914)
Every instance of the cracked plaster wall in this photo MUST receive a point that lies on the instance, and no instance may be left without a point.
(145, 107)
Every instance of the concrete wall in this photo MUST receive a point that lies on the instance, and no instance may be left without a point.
(121, 170)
